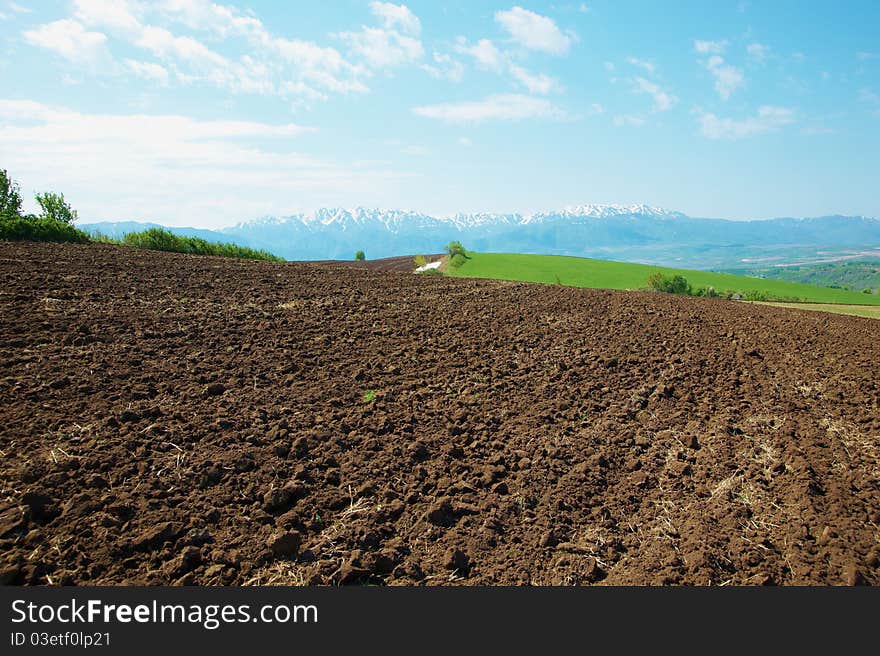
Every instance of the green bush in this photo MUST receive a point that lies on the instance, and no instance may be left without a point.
(360, 256)
(457, 260)
(706, 292)
(669, 284)
(159, 239)
(34, 228)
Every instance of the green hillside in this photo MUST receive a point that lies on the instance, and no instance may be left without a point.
(602, 274)
(852, 274)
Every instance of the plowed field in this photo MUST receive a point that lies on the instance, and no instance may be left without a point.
(192, 420)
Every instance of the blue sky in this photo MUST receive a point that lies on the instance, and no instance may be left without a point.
(191, 112)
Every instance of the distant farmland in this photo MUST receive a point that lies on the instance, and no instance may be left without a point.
(603, 274)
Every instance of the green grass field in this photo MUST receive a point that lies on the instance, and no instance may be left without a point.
(602, 274)
(872, 312)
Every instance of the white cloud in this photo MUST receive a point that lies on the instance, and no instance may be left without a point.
(17, 8)
(396, 17)
(483, 51)
(642, 63)
(445, 68)
(533, 31)
(148, 71)
(269, 65)
(710, 47)
(505, 107)
(534, 83)
(393, 44)
(663, 101)
(768, 118)
(464, 141)
(758, 52)
(71, 40)
(172, 168)
(114, 15)
(628, 120)
(382, 48)
(865, 56)
(727, 78)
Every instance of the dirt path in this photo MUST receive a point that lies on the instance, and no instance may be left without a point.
(176, 419)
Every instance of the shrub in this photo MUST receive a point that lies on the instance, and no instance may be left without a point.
(159, 239)
(457, 260)
(34, 228)
(359, 256)
(668, 284)
(420, 261)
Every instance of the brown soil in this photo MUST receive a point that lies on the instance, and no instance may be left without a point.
(403, 264)
(176, 419)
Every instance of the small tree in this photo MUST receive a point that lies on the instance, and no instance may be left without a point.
(455, 248)
(360, 256)
(56, 208)
(10, 196)
(420, 261)
(669, 284)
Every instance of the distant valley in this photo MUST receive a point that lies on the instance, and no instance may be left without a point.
(635, 233)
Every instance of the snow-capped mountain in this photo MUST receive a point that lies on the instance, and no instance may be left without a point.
(624, 232)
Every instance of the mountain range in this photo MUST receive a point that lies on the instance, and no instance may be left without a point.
(636, 233)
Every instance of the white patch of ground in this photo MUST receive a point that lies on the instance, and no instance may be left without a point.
(429, 265)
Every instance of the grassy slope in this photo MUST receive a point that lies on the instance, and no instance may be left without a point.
(858, 311)
(582, 272)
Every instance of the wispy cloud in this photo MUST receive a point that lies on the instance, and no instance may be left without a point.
(171, 167)
(392, 44)
(727, 78)
(504, 107)
(396, 17)
(148, 71)
(534, 83)
(871, 99)
(758, 52)
(710, 47)
(444, 67)
(484, 53)
(269, 65)
(644, 64)
(534, 31)
(663, 100)
(628, 120)
(71, 40)
(768, 119)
